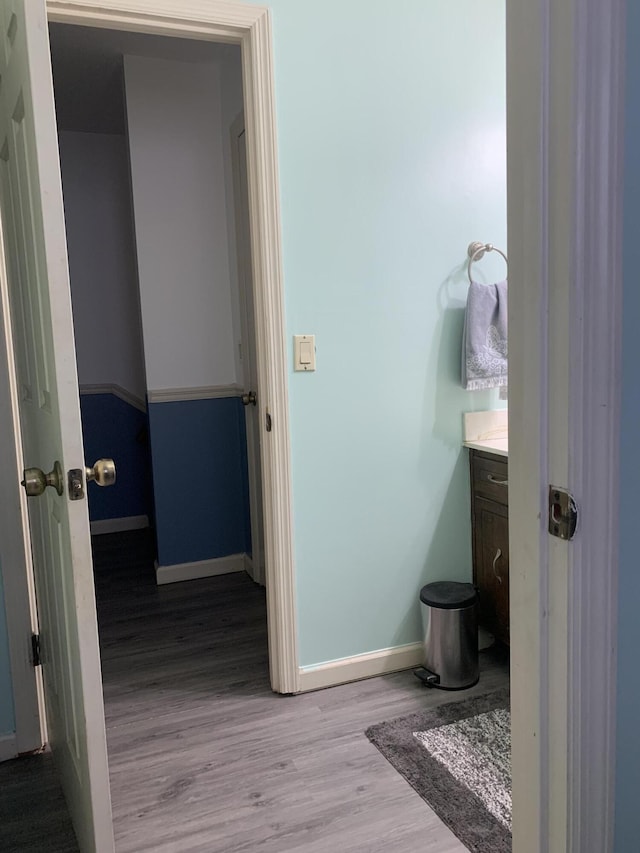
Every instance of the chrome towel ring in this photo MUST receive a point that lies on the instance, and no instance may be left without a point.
(477, 250)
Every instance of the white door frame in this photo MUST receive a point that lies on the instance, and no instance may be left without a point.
(250, 27)
(565, 64)
(248, 337)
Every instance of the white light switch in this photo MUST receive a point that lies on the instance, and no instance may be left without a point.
(304, 352)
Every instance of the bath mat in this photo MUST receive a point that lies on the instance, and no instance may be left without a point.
(458, 758)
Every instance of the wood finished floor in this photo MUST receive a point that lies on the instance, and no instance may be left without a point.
(205, 758)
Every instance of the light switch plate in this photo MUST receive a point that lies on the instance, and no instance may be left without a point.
(304, 352)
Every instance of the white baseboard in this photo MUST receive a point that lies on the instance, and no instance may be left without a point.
(355, 668)
(8, 746)
(118, 525)
(201, 569)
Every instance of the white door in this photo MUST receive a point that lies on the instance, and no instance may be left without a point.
(565, 65)
(39, 295)
(249, 362)
(16, 569)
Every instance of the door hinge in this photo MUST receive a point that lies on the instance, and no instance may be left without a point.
(35, 650)
(563, 513)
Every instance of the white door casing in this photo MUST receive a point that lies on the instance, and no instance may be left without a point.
(564, 152)
(249, 360)
(38, 284)
(249, 26)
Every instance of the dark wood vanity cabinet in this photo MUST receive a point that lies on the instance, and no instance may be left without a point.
(490, 530)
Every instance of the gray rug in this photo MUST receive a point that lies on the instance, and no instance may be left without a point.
(458, 758)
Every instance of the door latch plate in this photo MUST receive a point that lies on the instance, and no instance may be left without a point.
(75, 481)
(563, 513)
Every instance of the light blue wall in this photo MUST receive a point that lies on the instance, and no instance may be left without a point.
(391, 134)
(7, 719)
(628, 751)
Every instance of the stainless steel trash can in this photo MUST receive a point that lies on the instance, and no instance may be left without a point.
(450, 622)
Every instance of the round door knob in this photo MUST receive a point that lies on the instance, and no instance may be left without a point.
(103, 472)
(249, 399)
(35, 481)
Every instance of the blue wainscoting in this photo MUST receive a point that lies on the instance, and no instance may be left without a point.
(198, 450)
(114, 428)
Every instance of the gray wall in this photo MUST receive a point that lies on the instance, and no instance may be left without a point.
(102, 263)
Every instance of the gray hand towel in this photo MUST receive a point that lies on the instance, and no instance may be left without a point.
(484, 340)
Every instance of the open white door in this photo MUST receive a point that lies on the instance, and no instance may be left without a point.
(565, 143)
(249, 360)
(39, 295)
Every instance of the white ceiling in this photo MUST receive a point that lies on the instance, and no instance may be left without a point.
(87, 71)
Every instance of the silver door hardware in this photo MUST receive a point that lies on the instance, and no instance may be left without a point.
(103, 473)
(249, 399)
(75, 484)
(563, 513)
(36, 481)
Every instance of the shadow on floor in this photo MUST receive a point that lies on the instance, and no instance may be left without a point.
(33, 812)
(158, 644)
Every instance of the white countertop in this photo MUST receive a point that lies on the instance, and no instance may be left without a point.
(499, 446)
(488, 431)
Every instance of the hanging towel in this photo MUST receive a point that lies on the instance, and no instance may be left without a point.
(484, 340)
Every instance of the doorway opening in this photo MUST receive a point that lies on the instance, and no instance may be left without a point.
(151, 137)
(154, 172)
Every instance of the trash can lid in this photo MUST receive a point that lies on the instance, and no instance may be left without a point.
(448, 595)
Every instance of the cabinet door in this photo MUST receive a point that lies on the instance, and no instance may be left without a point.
(491, 566)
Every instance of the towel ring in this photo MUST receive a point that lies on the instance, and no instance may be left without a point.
(477, 250)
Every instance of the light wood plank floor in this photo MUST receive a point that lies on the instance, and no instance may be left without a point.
(205, 759)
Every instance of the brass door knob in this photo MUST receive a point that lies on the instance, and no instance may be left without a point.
(249, 399)
(103, 472)
(35, 481)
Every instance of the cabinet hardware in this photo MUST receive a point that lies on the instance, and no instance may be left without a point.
(495, 560)
(497, 482)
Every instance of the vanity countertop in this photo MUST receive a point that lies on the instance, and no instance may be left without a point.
(499, 446)
(487, 431)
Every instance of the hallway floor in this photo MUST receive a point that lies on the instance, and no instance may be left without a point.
(206, 759)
